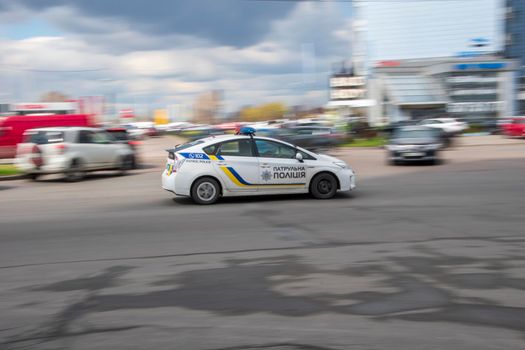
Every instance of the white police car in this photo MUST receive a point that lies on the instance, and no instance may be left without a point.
(244, 164)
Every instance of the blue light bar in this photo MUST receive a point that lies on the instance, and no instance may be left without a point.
(246, 130)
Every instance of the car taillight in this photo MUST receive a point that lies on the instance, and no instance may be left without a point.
(36, 157)
(175, 163)
(134, 143)
(61, 148)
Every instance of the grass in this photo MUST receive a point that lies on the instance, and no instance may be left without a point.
(372, 142)
(8, 169)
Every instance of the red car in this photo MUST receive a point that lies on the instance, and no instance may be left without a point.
(514, 127)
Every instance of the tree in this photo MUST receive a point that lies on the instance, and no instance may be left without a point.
(268, 111)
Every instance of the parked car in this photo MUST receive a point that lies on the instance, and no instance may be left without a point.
(135, 132)
(12, 128)
(199, 132)
(314, 138)
(71, 151)
(414, 144)
(449, 126)
(514, 127)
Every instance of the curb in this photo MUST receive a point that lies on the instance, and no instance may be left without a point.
(12, 177)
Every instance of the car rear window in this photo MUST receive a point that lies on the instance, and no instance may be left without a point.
(44, 137)
(185, 145)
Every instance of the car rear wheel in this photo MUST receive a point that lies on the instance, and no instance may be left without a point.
(126, 163)
(75, 172)
(205, 191)
(33, 177)
(323, 186)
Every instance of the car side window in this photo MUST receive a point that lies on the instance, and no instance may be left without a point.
(101, 137)
(211, 150)
(270, 149)
(238, 148)
(85, 136)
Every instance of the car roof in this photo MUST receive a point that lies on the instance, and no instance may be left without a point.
(221, 138)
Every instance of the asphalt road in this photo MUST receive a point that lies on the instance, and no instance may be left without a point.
(419, 257)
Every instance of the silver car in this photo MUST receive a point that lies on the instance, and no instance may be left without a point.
(71, 151)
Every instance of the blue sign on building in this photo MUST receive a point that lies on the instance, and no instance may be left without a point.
(480, 66)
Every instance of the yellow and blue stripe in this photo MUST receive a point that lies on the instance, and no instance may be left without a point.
(237, 179)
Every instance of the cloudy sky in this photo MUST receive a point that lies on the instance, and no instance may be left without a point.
(158, 52)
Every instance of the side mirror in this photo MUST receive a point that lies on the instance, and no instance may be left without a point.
(299, 157)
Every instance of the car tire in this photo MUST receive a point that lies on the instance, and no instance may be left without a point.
(126, 163)
(323, 186)
(33, 177)
(205, 190)
(75, 172)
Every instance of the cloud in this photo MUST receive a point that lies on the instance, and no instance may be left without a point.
(288, 58)
(225, 22)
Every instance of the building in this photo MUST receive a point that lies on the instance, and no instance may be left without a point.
(515, 44)
(207, 107)
(477, 89)
(348, 93)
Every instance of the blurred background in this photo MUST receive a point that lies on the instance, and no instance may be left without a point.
(214, 62)
(416, 255)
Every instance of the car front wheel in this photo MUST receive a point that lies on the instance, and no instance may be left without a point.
(323, 186)
(205, 191)
(75, 172)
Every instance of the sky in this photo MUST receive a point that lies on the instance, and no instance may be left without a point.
(155, 53)
(398, 30)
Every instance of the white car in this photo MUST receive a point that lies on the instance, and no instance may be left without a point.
(243, 165)
(449, 126)
(71, 151)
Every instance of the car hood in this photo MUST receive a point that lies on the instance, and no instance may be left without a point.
(327, 158)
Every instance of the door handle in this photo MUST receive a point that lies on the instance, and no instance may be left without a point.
(222, 164)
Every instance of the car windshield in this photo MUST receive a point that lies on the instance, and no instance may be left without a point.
(44, 137)
(415, 134)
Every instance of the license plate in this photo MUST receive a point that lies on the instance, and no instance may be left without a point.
(413, 154)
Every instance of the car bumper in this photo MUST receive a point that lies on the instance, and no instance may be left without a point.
(347, 180)
(50, 166)
(170, 184)
(413, 156)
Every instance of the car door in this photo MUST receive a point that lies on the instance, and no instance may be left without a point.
(236, 164)
(279, 168)
(93, 150)
(106, 149)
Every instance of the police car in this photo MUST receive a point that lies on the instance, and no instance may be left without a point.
(245, 164)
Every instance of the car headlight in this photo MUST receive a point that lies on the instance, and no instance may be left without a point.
(434, 146)
(396, 147)
(343, 165)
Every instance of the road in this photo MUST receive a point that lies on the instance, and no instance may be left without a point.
(418, 257)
